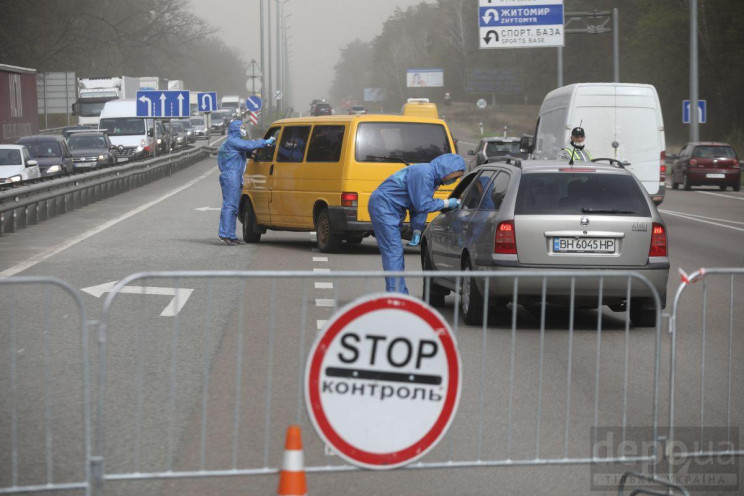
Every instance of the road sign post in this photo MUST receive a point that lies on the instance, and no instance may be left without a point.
(383, 381)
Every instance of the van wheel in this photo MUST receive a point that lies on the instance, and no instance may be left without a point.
(249, 224)
(471, 301)
(328, 242)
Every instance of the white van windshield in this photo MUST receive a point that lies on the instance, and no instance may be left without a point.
(124, 126)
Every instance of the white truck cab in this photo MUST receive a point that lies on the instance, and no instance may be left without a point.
(133, 137)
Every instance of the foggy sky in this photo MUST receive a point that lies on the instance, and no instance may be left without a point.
(318, 30)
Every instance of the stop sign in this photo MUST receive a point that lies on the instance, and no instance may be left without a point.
(383, 381)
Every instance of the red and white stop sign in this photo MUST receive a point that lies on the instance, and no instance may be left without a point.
(383, 381)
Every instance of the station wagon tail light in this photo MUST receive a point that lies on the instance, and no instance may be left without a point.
(505, 242)
(658, 241)
(349, 199)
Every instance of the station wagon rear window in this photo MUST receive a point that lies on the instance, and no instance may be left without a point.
(392, 141)
(580, 193)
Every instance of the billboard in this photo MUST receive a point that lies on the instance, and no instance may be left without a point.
(425, 78)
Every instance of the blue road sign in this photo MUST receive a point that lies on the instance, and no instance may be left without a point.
(163, 104)
(207, 102)
(702, 112)
(253, 103)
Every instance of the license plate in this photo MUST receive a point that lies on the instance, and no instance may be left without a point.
(715, 176)
(584, 245)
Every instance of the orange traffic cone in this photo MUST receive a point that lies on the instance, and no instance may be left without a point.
(292, 477)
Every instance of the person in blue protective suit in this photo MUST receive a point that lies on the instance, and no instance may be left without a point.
(231, 159)
(409, 190)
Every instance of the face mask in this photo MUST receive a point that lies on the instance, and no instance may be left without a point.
(243, 133)
(577, 145)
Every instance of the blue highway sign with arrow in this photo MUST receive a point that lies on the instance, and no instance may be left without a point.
(253, 103)
(163, 104)
(702, 112)
(207, 102)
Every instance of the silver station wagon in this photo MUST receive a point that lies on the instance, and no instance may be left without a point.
(522, 215)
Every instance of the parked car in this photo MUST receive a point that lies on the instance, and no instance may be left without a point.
(91, 149)
(200, 127)
(357, 110)
(322, 109)
(495, 147)
(51, 153)
(189, 128)
(16, 164)
(707, 164)
(544, 215)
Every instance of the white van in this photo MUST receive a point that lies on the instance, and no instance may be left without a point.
(622, 121)
(132, 136)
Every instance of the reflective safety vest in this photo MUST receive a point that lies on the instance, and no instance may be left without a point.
(576, 154)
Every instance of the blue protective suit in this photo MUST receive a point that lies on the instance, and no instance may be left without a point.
(410, 189)
(231, 159)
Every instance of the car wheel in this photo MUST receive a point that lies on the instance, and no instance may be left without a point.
(675, 184)
(471, 301)
(687, 183)
(249, 224)
(640, 314)
(436, 292)
(723, 187)
(328, 242)
(736, 187)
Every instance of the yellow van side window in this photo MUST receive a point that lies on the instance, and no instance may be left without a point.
(325, 144)
(293, 143)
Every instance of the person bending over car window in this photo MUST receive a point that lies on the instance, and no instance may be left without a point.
(411, 189)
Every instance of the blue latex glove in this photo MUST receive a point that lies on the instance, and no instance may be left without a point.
(451, 203)
(416, 239)
(270, 141)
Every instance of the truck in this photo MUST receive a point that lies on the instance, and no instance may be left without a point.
(232, 103)
(94, 92)
(18, 104)
(153, 83)
(176, 85)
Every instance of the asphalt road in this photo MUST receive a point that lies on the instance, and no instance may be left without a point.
(173, 380)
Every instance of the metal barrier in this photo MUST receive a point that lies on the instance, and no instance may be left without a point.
(44, 385)
(705, 353)
(201, 380)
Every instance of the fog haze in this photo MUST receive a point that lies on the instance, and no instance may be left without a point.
(317, 30)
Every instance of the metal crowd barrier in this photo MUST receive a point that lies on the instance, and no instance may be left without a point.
(29, 204)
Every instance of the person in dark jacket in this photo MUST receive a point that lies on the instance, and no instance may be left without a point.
(231, 159)
(411, 189)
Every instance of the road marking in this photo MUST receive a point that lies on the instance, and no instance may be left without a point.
(323, 285)
(180, 295)
(206, 209)
(50, 253)
(325, 302)
(704, 220)
(320, 259)
(321, 270)
(721, 194)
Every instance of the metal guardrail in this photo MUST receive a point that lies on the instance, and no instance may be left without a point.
(29, 204)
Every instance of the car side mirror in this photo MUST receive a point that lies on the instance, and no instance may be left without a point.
(526, 144)
(471, 152)
(31, 163)
(149, 133)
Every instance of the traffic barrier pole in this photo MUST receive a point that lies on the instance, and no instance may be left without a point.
(292, 477)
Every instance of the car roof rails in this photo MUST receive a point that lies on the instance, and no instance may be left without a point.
(621, 164)
(504, 158)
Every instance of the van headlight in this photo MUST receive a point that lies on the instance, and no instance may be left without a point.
(141, 146)
(54, 168)
(101, 157)
(13, 179)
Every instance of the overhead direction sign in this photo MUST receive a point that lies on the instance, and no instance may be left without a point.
(207, 102)
(383, 381)
(163, 104)
(253, 103)
(520, 23)
(702, 112)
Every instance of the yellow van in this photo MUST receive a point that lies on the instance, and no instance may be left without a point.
(321, 172)
(420, 108)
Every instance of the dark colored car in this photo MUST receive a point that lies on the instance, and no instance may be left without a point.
(51, 152)
(707, 164)
(322, 109)
(91, 150)
(188, 126)
(69, 130)
(495, 147)
(541, 215)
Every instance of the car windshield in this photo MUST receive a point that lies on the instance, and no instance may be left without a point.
(177, 127)
(123, 126)
(400, 141)
(714, 152)
(40, 150)
(90, 109)
(494, 148)
(81, 142)
(10, 156)
(580, 193)
(197, 121)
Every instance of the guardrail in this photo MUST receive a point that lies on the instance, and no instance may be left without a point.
(32, 203)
